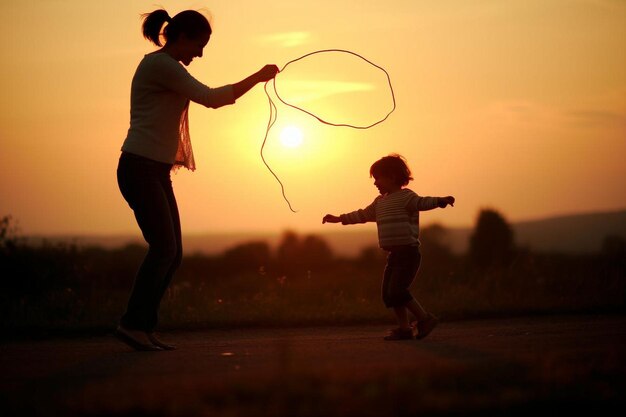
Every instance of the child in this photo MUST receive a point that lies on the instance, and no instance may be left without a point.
(396, 213)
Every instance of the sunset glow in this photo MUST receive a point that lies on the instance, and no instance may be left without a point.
(291, 137)
(517, 105)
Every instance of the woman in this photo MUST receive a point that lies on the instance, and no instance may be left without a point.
(158, 141)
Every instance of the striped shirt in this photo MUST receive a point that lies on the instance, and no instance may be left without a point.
(396, 216)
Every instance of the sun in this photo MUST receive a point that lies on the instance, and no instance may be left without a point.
(291, 137)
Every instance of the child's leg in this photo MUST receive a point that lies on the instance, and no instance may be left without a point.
(402, 316)
(401, 268)
(416, 308)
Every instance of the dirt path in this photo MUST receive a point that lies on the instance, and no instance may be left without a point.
(536, 365)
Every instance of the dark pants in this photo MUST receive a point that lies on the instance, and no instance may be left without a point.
(403, 263)
(146, 186)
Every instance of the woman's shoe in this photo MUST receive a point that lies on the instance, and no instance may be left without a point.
(156, 342)
(136, 339)
(400, 334)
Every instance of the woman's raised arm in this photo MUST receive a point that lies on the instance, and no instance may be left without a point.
(264, 74)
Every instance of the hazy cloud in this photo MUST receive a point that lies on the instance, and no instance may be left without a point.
(597, 118)
(286, 39)
(299, 91)
(527, 113)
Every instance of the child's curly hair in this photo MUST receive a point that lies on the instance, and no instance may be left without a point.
(392, 166)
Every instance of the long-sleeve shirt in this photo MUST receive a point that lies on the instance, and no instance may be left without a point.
(396, 216)
(160, 93)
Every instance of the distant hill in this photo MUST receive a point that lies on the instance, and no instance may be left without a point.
(578, 233)
(575, 233)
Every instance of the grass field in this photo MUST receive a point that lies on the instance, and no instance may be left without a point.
(63, 288)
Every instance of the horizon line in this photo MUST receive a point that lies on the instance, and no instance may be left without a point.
(282, 230)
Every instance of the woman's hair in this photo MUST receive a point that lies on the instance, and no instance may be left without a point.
(190, 22)
(392, 166)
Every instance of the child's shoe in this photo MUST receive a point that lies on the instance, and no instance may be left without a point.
(136, 339)
(424, 327)
(400, 334)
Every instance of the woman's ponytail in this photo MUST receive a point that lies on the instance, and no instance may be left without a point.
(152, 24)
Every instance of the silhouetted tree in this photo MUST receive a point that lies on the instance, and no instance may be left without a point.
(248, 255)
(315, 251)
(492, 241)
(614, 246)
(372, 257)
(614, 252)
(8, 233)
(287, 252)
(433, 243)
(300, 255)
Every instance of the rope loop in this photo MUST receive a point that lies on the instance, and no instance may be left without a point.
(274, 110)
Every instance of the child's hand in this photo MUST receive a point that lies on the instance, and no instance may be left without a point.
(329, 218)
(444, 201)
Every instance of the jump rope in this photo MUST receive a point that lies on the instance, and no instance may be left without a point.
(274, 110)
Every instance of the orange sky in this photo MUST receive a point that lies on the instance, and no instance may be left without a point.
(518, 105)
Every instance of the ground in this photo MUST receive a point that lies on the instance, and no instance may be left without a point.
(548, 365)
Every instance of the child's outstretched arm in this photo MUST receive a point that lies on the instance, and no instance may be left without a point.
(368, 214)
(445, 201)
(418, 203)
(329, 218)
